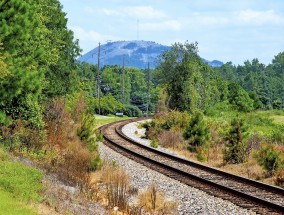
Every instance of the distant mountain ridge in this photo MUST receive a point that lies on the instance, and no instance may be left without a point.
(136, 53)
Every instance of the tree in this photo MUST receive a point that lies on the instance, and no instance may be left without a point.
(235, 147)
(239, 98)
(23, 38)
(190, 83)
(61, 77)
(196, 131)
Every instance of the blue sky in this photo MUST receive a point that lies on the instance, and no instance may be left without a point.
(226, 30)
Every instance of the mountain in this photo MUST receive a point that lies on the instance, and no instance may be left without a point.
(136, 53)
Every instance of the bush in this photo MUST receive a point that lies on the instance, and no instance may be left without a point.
(235, 148)
(170, 138)
(201, 154)
(154, 144)
(279, 178)
(196, 131)
(270, 158)
(132, 111)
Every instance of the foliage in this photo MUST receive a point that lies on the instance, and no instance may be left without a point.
(190, 83)
(279, 178)
(154, 144)
(167, 120)
(196, 131)
(270, 158)
(22, 55)
(266, 82)
(61, 77)
(239, 98)
(75, 152)
(4, 71)
(235, 148)
(108, 105)
(170, 138)
(132, 111)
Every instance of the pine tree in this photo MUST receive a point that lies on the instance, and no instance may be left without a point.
(235, 148)
(21, 35)
(197, 131)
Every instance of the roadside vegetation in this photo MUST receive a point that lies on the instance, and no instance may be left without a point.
(229, 117)
(19, 185)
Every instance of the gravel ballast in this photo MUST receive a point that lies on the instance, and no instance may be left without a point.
(189, 200)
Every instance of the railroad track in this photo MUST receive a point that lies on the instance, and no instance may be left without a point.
(259, 197)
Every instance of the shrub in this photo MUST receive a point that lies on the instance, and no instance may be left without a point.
(201, 154)
(170, 138)
(132, 111)
(75, 164)
(279, 178)
(154, 144)
(196, 131)
(235, 147)
(270, 158)
(87, 129)
(20, 136)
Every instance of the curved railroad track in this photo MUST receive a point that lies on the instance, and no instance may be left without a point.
(259, 197)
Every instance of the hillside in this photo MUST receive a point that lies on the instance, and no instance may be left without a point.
(136, 53)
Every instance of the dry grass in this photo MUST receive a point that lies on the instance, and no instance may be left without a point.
(153, 201)
(117, 189)
(171, 139)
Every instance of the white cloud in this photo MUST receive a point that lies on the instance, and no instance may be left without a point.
(89, 10)
(259, 17)
(171, 25)
(84, 35)
(140, 12)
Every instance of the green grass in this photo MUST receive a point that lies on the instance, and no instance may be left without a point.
(268, 124)
(11, 206)
(19, 185)
(102, 120)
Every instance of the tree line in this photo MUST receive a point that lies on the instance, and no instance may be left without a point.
(192, 84)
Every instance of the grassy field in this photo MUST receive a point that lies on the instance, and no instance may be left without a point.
(102, 120)
(19, 185)
(268, 124)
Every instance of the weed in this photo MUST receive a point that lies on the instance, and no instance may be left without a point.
(117, 186)
(154, 144)
(154, 202)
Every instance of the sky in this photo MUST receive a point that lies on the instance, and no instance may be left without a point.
(226, 30)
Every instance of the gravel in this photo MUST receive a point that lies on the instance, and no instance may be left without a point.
(189, 200)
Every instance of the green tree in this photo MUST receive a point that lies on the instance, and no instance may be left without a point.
(61, 77)
(196, 131)
(190, 83)
(23, 37)
(239, 98)
(235, 147)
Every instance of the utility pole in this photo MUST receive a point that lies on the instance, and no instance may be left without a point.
(99, 81)
(148, 90)
(123, 75)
